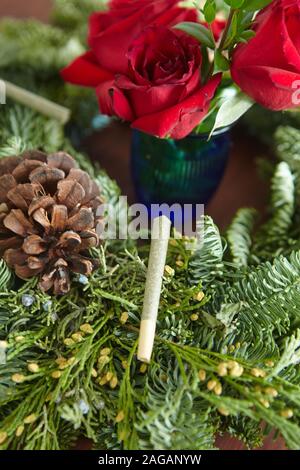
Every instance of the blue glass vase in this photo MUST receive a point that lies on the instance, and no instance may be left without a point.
(186, 171)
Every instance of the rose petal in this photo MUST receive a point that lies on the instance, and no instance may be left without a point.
(85, 71)
(111, 44)
(179, 120)
(112, 101)
(270, 87)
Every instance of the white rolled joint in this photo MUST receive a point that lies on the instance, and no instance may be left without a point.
(157, 259)
(36, 102)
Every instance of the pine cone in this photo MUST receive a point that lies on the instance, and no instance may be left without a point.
(47, 218)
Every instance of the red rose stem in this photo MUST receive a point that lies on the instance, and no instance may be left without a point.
(158, 252)
(36, 102)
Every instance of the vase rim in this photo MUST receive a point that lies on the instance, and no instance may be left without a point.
(220, 131)
(193, 135)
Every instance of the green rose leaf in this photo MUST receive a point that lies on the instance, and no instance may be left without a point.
(253, 5)
(221, 63)
(209, 11)
(198, 31)
(247, 35)
(235, 3)
(231, 109)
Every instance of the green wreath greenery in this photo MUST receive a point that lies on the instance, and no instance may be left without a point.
(227, 346)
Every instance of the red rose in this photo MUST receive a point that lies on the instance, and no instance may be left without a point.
(268, 67)
(111, 33)
(162, 93)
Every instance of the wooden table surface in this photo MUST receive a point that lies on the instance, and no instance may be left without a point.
(240, 187)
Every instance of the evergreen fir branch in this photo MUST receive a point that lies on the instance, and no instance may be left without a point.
(24, 42)
(6, 276)
(175, 420)
(290, 355)
(287, 146)
(282, 202)
(239, 236)
(262, 306)
(207, 262)
(245, 430)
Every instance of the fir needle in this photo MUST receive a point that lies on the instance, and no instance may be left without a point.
(158, 252)
(36, 102)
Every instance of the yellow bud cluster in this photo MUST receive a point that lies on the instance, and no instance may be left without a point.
(30, 419)
(214, 385)
(232, 368)
(20, 430)
(19, 339)
(264, 402)
(124, 317)
(199, 296)
(143, 368)
(194, 317)
(120, 416)
(113, 382)
(86, 328)
(77, 337)
(287, 413)
(3, 437)
(223, 411)
(256, 372)
(272, 392)
(56, 374)
(211, 385)
(202, 375)
(33, 367)
(169, 271)
(18, 378)
(269, 363)
(105, 352)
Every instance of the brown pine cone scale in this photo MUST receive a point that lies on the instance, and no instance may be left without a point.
(48, 218)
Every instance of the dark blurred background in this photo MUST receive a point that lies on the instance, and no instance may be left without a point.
(22, 9)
